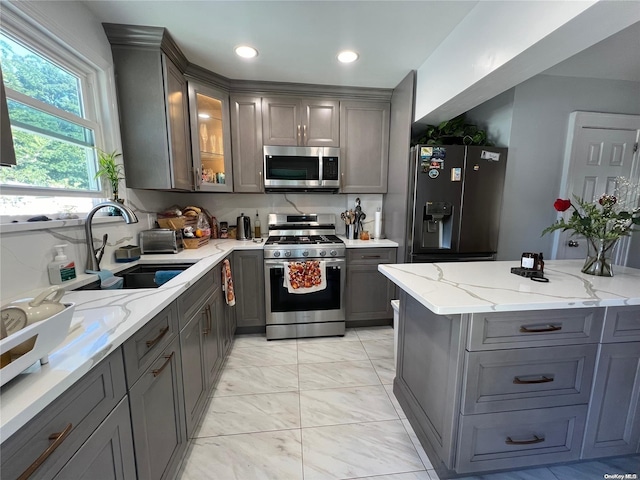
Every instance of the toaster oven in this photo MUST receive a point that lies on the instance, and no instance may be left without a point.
(160, 240)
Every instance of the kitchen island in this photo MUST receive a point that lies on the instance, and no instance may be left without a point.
(497, 372)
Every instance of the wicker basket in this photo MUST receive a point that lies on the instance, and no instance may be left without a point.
(195, 242)
(173, 223)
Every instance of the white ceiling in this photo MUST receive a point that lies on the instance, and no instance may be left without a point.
(298, 40)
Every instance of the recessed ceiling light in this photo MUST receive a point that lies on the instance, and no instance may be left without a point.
(204, 115)
(245, 51)
(347, 56)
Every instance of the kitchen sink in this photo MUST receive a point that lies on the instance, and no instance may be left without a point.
(139, 276)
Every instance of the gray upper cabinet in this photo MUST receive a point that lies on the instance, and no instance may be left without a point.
(364, 146)
(246, 145)
(7, 152)
(301, 121)
(153, 106)
(210, 138)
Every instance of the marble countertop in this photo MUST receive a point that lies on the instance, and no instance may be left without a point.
(103, 320)
(474, 287)
(375, 243)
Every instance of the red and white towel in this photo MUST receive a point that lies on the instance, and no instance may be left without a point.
(227, 284)
(305, 277)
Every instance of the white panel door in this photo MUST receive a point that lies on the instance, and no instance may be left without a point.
(600, 147)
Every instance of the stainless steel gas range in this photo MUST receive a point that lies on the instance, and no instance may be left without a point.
(304, 269)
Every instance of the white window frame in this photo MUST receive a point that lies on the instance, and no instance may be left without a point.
(95, 95)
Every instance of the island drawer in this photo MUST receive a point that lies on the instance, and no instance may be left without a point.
(542, 328)
(67, 422)
(517, 379)
(496, 441)
(622, 324)
(144, 346)
(196, 295)
(369, 256)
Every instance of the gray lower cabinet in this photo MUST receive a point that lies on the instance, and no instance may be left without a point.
(503, 390)
(246, 143)
(364, 146)
(613, 426)
(71, 423)
(192, 347)
(157, 416)
(108, 453)
(153, 105)
(369, 293)
(248, 281)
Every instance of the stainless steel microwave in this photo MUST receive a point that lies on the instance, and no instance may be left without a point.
(304, 169)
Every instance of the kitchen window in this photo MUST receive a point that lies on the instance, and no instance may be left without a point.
(54, 127)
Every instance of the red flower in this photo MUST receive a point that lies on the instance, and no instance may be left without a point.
(561, 205)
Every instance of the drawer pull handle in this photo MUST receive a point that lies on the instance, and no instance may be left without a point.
(164, 365)
(163, 332)
(546, 328)
(57, 438)
(535, 439)
(207, 328)
(370, 256)
(541, 379)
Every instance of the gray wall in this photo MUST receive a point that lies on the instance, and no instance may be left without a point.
(540, 115)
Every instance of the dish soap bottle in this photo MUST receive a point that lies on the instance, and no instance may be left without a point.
(61, 269)
(256, 225)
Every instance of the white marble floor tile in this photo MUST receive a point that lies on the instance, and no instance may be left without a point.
(330, 352)
(357, 450)
(253, 456)
(345, 405)
(385, 368)
(379, 348)
(394, 401)
(422, 475)
(258, 340)
(251, 413)
(350, 335)
(254, 356)
(314, 376)
(252, 380)
(416, 443)
(375, 333)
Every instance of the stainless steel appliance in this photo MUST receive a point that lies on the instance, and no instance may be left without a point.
(160, 240)
(301, 169)
(455, 203)
(243, 227)
(299, 238)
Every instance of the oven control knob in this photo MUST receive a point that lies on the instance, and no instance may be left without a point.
(322, 253)
(333, 253)
(276, 253)
(287, 253)
(305, 253)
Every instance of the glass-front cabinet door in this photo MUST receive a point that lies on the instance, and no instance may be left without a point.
(210, 138)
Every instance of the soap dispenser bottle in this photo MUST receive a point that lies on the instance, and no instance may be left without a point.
(62, 268)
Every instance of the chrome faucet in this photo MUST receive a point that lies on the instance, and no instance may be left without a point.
(93, 260)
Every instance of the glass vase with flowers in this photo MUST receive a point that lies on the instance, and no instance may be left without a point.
(602, 223)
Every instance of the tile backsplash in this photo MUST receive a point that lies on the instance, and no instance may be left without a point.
(24, 255)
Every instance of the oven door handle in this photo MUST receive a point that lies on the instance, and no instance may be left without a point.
(334, 262)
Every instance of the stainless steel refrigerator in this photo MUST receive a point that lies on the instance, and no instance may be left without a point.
(455, 198)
